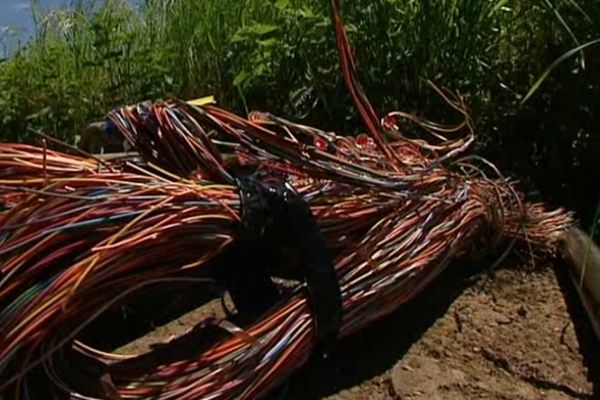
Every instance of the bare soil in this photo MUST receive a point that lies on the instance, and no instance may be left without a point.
(516, 333)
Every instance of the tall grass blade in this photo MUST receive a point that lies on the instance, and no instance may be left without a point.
(534, 88)
(564, 23)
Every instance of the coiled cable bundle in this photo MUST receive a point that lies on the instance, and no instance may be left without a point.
(358, 225)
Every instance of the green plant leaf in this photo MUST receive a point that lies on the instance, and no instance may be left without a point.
(263, 29)
(271, 42)
(307, 12)
(241, 78)
(283, 4)
(41, 113)
(240, 36)
(498, 6)
(534, 88)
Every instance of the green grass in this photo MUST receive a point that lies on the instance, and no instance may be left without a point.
(279, 55)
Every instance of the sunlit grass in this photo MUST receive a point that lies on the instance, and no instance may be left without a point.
(279, 55)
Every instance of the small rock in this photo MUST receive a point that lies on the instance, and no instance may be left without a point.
(426, 378)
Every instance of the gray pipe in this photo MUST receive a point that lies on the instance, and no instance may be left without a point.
(583, 256)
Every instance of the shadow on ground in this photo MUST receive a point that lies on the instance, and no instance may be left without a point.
(376, 349)
(590, 345)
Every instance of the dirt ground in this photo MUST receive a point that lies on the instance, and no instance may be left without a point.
(516, 333)
(504, 335)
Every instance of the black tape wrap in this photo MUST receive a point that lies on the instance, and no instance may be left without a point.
(280, 237)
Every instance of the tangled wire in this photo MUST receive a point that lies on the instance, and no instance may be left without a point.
(79, 237)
